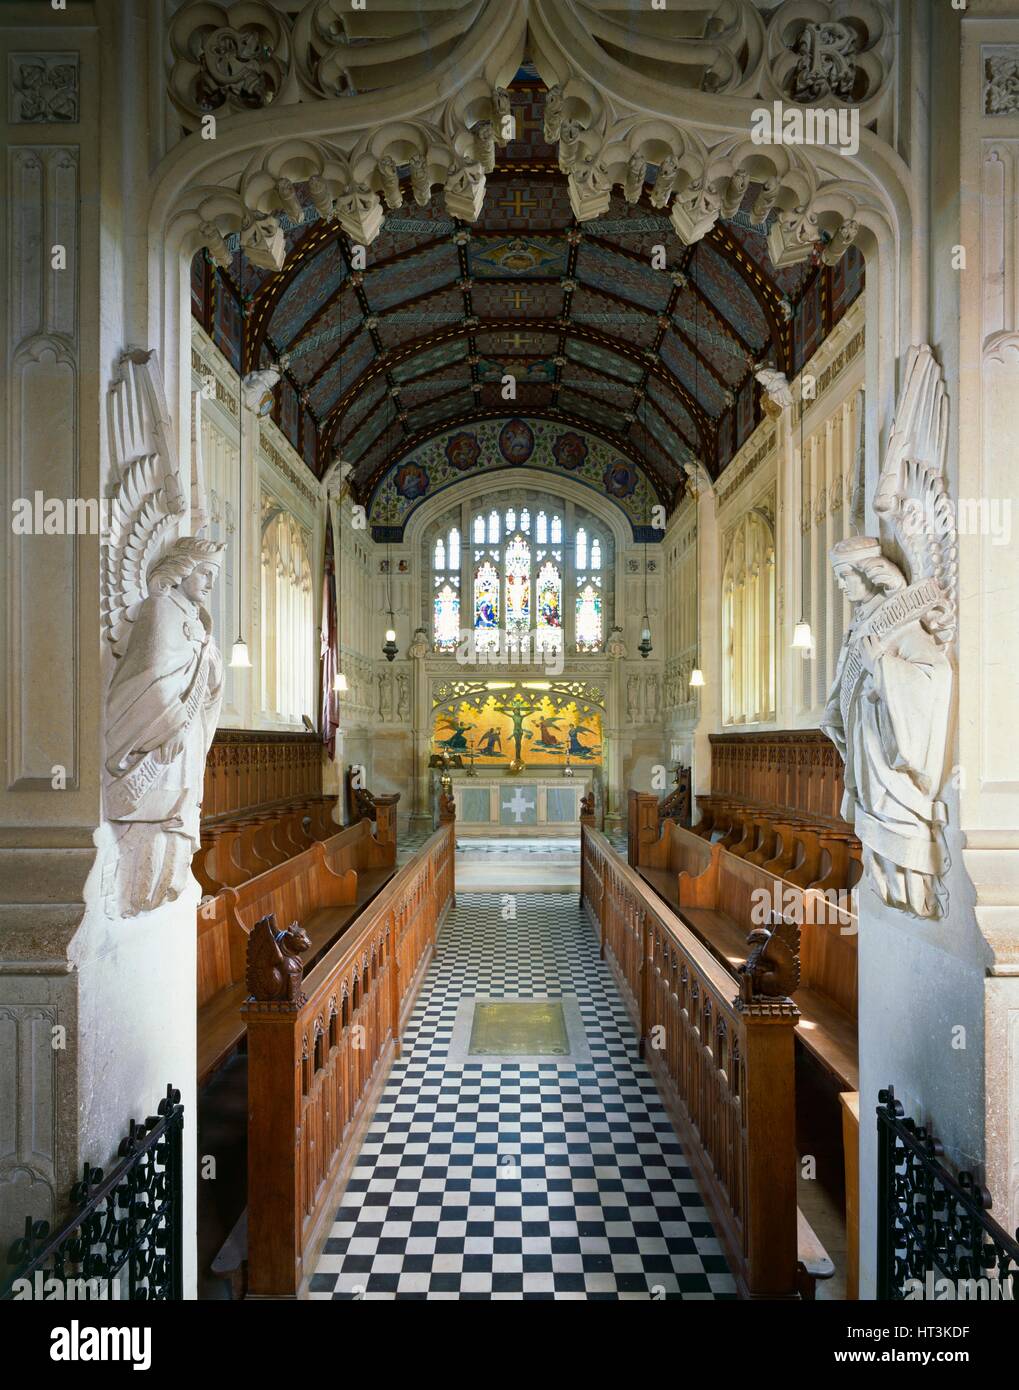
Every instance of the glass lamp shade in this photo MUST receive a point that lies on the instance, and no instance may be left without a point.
(644, 646)
(803, 639)
(697, 676)
(340, 682)
(239, 659)
(390, 634)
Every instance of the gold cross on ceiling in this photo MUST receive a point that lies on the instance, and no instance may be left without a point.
(528, 123)
(520, 300)
(518, 206)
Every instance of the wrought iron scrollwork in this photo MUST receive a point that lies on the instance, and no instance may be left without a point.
(124, 1238)
(933, 1224)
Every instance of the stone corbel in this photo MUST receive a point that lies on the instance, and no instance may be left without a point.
(359, 212)
(793, 236)
(464, 190)
(263, 242)
(590, 188)
(695, 210)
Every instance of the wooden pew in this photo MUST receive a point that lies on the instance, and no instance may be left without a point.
(324, 889)
(319, 1051)
(721, 897)
(695, 1018)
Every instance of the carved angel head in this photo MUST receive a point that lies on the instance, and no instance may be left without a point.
(863, 571)
(191, 565)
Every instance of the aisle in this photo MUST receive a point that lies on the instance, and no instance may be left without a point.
(533, 1178)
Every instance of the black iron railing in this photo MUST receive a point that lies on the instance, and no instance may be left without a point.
(124, 1240)
(933, 1224)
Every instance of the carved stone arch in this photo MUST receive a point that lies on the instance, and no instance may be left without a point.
(504, 480)
(564, 51)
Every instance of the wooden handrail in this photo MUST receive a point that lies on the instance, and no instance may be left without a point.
(722, 1055)
(317, 1064)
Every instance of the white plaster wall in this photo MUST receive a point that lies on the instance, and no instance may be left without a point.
(136, 1027)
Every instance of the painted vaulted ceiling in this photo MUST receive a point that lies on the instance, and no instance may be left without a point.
(657, 362)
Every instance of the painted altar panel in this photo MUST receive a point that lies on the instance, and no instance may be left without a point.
(546, 729)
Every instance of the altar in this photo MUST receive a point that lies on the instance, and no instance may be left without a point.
(519, 805)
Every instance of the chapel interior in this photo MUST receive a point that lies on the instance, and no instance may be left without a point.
(509, 616)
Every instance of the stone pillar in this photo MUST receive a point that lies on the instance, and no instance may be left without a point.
(988, 491)
(710, 653)
(89, 1033)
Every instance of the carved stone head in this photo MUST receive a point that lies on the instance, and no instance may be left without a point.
(863, 571)
(191, 565)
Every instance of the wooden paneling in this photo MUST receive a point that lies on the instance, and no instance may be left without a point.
(317, 1066)
(248, 770)
(798, 769)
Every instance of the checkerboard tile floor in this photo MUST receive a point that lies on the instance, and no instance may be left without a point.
(524, 1180)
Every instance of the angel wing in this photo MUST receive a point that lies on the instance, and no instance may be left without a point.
(776, 385)
(146, 505)
(915, 514)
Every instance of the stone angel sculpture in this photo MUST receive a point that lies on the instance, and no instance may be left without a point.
(775, 393)
(888, 710)
(166, 689)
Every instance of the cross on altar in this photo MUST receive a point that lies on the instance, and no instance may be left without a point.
(518, 806)
(518, 206)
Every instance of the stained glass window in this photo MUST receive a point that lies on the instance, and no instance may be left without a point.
(519, 582)
(486, 606)
(589, 618)
(447, 618)
(581, 549)
(518, 586)
(549, 607)
(446, 591)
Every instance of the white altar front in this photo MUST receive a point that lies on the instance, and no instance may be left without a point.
(521, 805)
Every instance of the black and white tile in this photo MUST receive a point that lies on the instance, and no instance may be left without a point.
(526, 1179)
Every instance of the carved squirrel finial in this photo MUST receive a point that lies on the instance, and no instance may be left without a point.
(772, 969)
(274, 967)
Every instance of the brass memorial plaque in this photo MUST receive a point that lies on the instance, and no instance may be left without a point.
(519, 1028)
